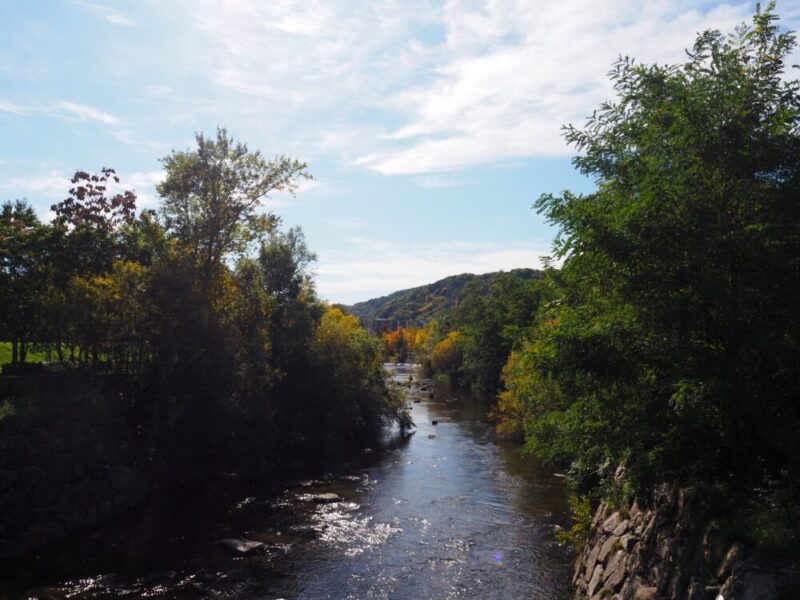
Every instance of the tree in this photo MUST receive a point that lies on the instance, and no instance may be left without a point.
(212, 196)
(87, 204)
(491, 321)
(21, 250)
(82, 244)
(675, 343)
(285, 261)
(447, 355)
(356, 401)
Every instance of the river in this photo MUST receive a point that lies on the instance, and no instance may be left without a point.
(447, 513)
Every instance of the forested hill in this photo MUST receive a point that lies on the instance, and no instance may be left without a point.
(420, 304)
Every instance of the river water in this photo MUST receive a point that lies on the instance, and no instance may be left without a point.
(446, 513)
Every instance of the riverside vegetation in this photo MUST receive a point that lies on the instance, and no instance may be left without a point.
(663, 337)
(201, 317)
(668, 338)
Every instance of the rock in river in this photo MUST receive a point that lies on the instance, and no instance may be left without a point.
(241, 546)
(326, 497)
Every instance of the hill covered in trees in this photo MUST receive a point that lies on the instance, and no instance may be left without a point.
(418, 305)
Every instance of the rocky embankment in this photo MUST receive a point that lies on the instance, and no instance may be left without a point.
(673, 550)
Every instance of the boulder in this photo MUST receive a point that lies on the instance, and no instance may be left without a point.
(733, 555)
(595, 581)
(621, 528)
(326, 497)
(646, 593)
(606, 549)
(615, 572)
(610, 524)
(591, 559)
(241, 546)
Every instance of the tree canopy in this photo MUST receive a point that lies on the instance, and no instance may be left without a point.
(212, 195)
(674, 344)
(205, 310)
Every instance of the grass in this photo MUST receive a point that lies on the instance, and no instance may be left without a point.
(5, 354)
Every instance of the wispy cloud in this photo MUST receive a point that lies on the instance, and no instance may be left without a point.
(108, 13)
(61, 109)
(439, 182)
(13, 108)
(126, 136)
(423, 88)
(309, 54)
(514, 72)
(53, 185)
(373, 268)
(82, 112)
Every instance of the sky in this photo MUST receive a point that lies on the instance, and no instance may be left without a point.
(430, 127)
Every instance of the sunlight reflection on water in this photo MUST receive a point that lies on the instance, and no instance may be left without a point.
(450, 513)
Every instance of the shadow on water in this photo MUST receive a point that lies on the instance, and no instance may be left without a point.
(449, 512)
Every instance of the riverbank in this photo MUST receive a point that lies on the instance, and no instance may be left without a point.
(446, 512)
(70, 458)
(673, 548)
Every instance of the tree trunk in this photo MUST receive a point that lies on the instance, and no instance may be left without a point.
(59, 350)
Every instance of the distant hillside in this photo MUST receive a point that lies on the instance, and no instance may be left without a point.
(420, 304)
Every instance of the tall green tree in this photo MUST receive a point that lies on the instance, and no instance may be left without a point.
(491, 322)
(676, 343)
(212, 195)
(21, 281)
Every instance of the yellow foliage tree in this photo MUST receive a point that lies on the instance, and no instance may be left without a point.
(446, 355)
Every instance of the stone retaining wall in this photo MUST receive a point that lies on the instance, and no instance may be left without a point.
(673, 550)
(68, 459)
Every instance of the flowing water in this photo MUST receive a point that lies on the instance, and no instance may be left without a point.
(446, 513)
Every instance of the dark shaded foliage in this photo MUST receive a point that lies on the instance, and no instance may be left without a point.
(206, 311)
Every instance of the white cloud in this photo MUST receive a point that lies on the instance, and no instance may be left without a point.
(82, 112)
(283, 198)
(52, 185)
(308, 54)
(515, 72)
(158, 90)
(62, 109)
(13, 108)
(144, 184)
(126, 136)
(372, 268)
(111, 15)
(417, 88)
(439, 182)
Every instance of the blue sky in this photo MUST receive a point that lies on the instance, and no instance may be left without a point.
(430, 127)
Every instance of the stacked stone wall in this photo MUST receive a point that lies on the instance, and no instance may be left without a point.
(674, 550)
